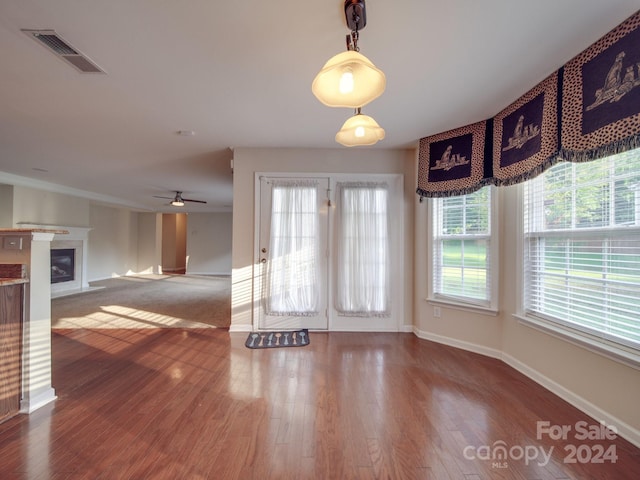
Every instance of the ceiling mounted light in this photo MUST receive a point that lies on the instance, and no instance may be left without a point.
(349, 79)
(359, 130)
(177, 201)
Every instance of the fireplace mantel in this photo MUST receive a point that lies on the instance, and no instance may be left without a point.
(60, 231)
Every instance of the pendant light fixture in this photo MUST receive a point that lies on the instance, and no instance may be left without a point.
(349, 79)
(359, 130)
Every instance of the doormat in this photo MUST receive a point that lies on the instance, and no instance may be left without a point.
(297, 338)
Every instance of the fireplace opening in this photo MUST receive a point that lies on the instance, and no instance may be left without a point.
(63, 265)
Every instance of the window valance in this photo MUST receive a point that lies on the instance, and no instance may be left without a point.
(588, 109)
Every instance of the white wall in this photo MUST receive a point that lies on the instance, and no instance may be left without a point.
(209, 243)
(248, 161)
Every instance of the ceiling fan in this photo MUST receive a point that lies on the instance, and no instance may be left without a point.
(178, 201)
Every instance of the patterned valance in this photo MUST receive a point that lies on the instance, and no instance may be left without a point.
(588, 109)
(601, 96)
(525, 135)
(452, 163)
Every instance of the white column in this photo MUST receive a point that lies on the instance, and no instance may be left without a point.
(36, 378)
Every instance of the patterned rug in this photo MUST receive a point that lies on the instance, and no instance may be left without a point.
(297, 338)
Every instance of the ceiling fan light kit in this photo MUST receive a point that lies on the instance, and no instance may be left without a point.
(178, 200)
(351, 80)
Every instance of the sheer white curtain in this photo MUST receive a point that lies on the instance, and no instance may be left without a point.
(292, 270)
(362, 286)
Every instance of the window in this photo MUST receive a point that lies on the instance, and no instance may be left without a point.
(363, 250)
(582, 247)
(462, 249)
(292, 271)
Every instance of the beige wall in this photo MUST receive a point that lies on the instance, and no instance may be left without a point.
(174, 242)
(480, 332)
(113, 242)
(48, 208)
(602, 387)
(149, 242)
(606, 389)
(209, 241)
(248, 161)
(121, 241)
(6, 206)
(589, 379)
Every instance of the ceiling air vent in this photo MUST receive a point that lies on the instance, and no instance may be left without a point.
(62, 49)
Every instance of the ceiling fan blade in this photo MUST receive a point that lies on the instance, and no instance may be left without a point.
(158, 196)
(190, 200)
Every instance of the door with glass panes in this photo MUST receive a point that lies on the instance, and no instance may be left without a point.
(328, 253)
(293, 242)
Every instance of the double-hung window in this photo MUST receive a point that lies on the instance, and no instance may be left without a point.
(582, 248)
(462, 265)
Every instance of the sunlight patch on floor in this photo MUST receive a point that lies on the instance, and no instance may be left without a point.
(116, 316)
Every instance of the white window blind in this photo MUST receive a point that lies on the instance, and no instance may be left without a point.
(582, 247)
(461, 260)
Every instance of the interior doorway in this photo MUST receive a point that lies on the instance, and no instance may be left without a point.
(174, 243)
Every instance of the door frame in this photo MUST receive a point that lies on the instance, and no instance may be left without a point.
(396, 226)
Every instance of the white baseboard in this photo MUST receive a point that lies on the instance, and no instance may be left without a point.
(363, 330)
(624, 430)
(31, 404)
(452, 342)
(240, 328)
(215, 274)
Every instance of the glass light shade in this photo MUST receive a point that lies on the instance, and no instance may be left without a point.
(177, 203)
(368, 81)
(359, 130)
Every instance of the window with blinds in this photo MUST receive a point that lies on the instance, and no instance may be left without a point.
(461, 260)
(582, 247)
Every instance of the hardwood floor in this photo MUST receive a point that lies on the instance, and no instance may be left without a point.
(197, 404)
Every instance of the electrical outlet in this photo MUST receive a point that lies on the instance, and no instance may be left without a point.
(436, 312)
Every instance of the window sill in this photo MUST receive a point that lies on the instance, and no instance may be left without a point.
(605, 348)
(466, 307)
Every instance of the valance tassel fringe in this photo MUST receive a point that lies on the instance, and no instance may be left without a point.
(620, 146)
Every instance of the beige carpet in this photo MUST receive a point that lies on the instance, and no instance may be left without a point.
(148, 301)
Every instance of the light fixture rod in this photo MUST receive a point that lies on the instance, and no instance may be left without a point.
(352, 41)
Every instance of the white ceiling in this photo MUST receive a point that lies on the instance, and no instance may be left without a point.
(239, 74)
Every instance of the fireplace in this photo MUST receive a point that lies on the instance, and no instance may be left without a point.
(63, 265)
(73, 246)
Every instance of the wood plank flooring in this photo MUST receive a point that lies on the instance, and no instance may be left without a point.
(197, 404)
